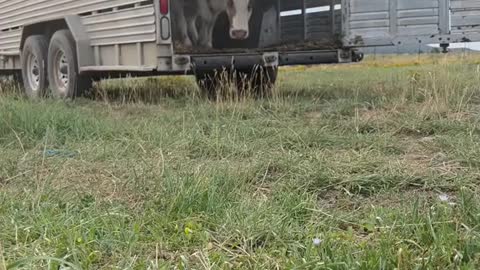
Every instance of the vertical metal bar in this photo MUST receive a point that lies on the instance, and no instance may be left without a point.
(140, 54)
(279, 21)
(345, 27)
(96, 53)
(444, 17)
(393, 17)
(332, 16)
(117, 55)
(305, 22)
(96, 49)
(156, 4)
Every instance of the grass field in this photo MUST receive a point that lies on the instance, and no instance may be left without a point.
(363, 166)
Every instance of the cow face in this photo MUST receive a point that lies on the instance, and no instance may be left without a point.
(239, 13)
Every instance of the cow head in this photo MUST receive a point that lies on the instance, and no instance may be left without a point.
(239, 13)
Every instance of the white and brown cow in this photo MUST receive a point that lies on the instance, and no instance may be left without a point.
(195, 20)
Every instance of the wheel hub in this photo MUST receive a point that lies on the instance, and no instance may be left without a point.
(61, 71)
(33, 72)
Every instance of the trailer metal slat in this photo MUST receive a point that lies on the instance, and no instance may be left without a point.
(123, 26)
(465, 16)
(30, 15)
(122, 15)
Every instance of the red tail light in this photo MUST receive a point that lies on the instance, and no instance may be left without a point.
(164, 7)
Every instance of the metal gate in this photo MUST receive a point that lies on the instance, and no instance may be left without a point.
(395, 22)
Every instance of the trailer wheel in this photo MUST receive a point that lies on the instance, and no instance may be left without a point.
(206, 83)
(213, 82)
(34, 66)
(18, 78)
(65, 80)
(259, 81)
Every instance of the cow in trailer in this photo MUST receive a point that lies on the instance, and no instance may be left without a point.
(194, 20)
(221, 33)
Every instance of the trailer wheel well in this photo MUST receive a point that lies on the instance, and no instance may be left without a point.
(44, 28)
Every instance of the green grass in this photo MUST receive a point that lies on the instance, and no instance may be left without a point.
(149, 176)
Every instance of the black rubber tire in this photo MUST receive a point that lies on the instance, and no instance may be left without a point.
(212, 82)
(36, 45)
(258, 82)
(18, 78)
(63, 41)
(14, 79)
(206, 83)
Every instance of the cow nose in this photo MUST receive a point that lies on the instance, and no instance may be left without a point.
(239, 34)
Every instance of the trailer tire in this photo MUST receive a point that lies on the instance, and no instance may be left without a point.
(65, 80)
(206, 84)
(34, 66)
(258, 81)
(211, 82)
(18, 78)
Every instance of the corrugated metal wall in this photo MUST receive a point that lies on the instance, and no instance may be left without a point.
(373, 18)
(135, 24)
(465, 15)
(10, 40)
(413, 18)
(122, 32)
(14, 13)
(123, 26)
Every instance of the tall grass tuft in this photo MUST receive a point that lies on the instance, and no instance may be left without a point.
(9, 86)
(145, 90)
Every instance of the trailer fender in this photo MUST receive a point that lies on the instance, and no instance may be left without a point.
(85, 53)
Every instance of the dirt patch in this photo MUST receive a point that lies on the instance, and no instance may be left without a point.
(314, 115)
(422, 157)
(341, 201)
(459, 116)
(379, 116)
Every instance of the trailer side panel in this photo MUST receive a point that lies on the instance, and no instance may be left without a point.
(122, 33)
(392, 22)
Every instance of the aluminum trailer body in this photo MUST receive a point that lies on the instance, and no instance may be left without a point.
(135, 36)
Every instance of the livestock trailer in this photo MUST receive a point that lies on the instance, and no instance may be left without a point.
(63, 45)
